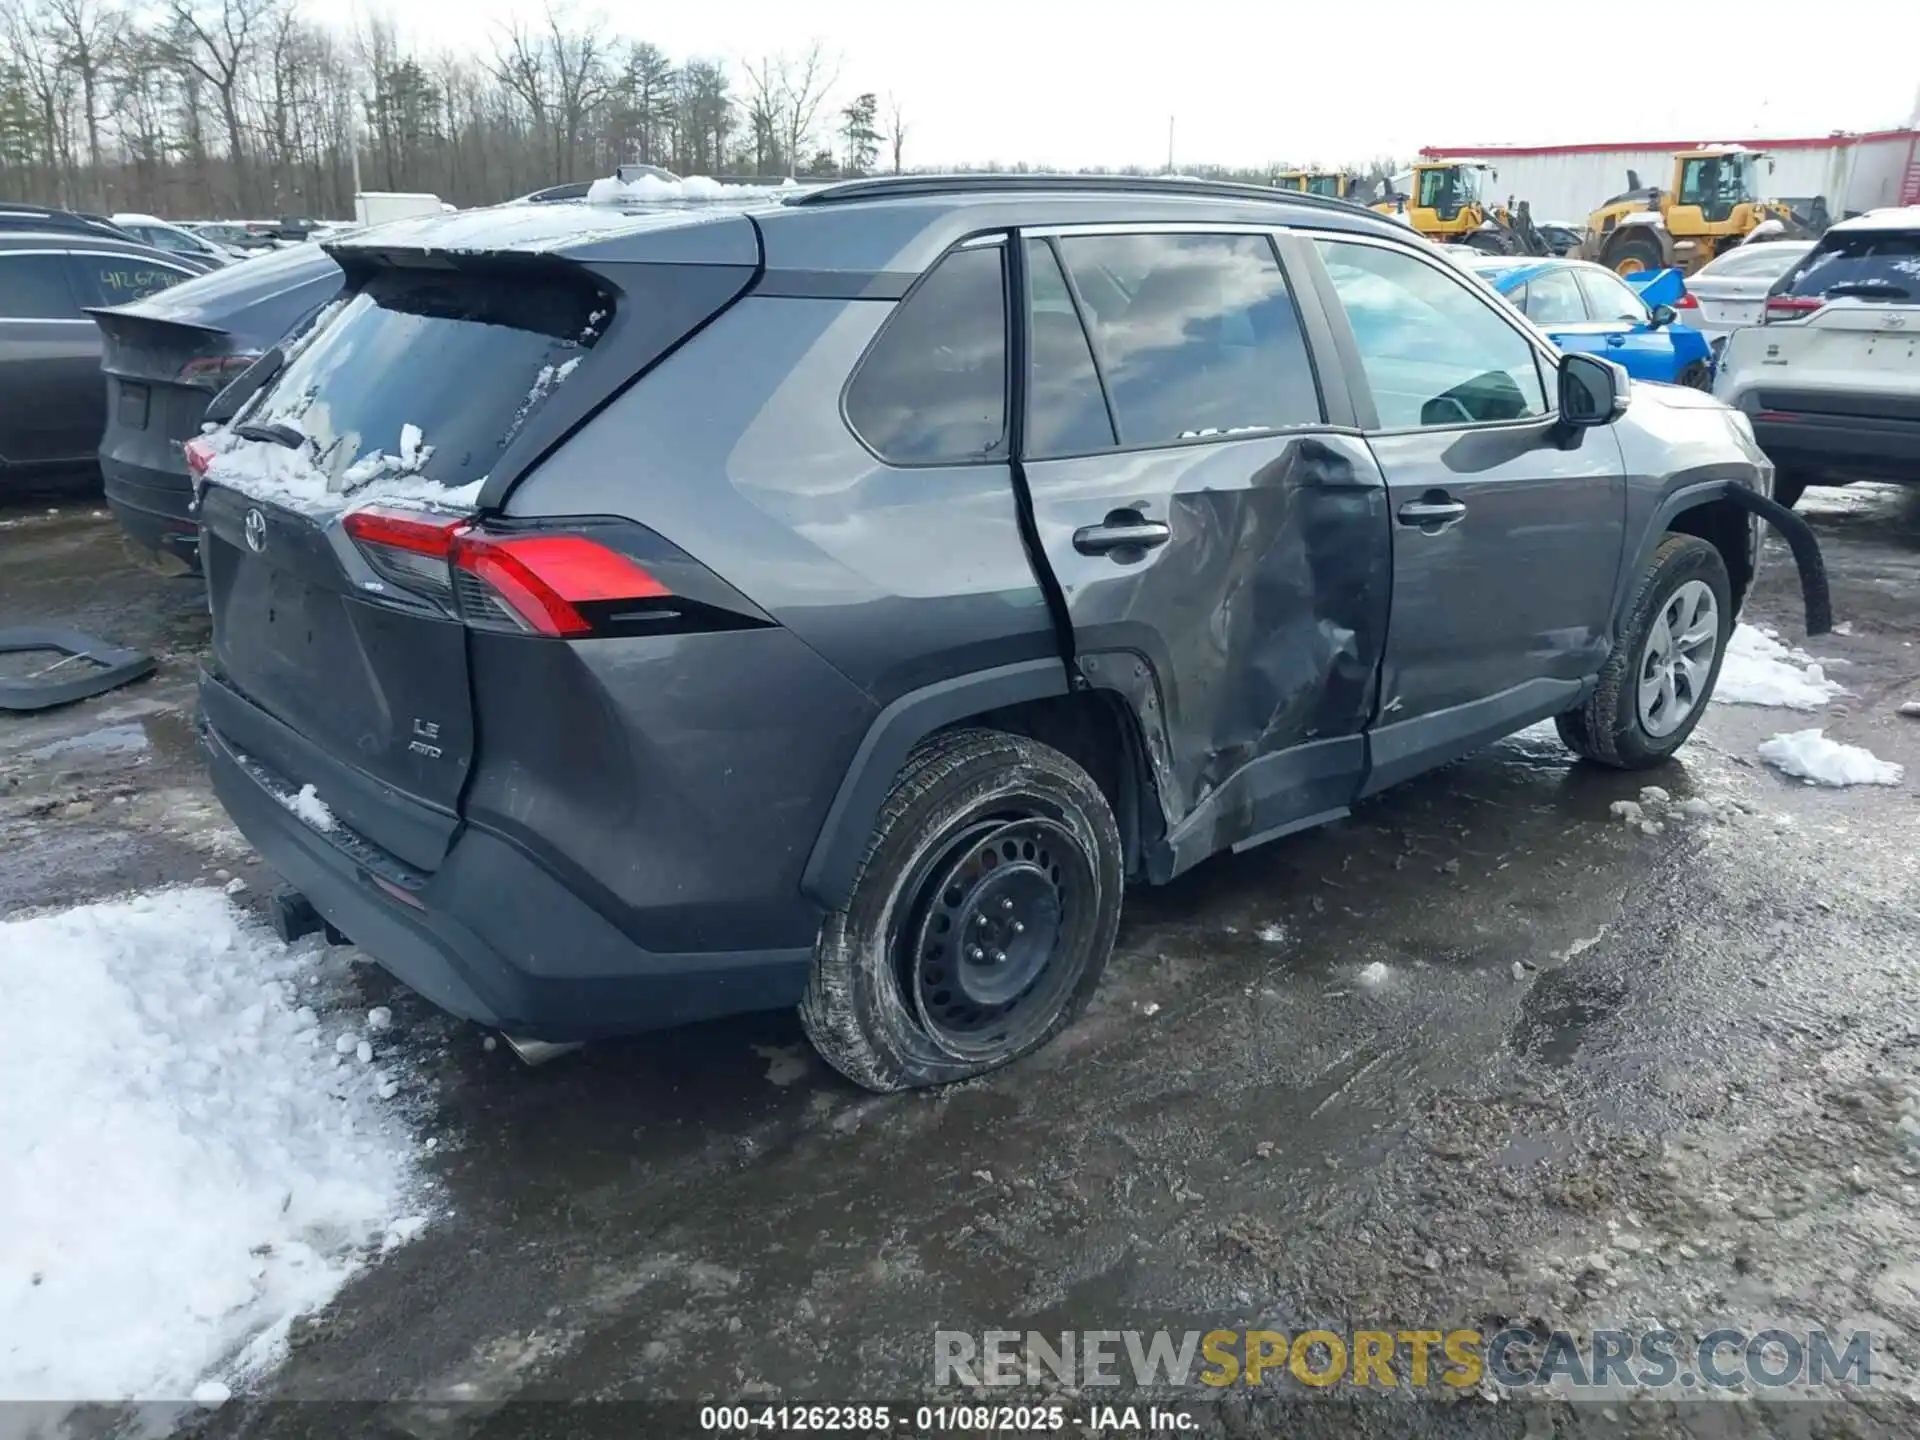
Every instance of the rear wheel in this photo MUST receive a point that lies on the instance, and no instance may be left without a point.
(1634, 254)
(1666, 658)
(980, 921)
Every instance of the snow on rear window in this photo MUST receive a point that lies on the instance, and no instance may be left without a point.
(411, 390)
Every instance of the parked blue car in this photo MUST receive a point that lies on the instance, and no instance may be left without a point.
(1587, 307)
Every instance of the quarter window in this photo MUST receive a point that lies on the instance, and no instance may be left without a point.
(1066, 410)
(34, 287)
(933, 388)
(1196, 335)
(1434, 352)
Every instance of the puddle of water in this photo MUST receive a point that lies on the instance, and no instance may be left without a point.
(1558, 1015)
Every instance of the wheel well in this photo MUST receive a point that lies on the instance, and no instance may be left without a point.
(1728, 530)
(1094, 728)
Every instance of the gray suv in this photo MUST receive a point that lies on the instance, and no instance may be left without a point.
(629, 616)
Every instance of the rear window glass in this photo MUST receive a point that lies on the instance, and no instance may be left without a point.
(1196, 335)
(34, 287)
(431, 373)
(933, 388)
(1753, 262)
(104, 279)
(1880, 263)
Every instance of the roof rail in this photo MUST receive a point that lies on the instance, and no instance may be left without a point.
(891, 187)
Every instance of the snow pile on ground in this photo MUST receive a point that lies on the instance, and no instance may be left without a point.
(282, 475)
(1759, 670)
(187, 1166)
(1809, 755)
(611, 190)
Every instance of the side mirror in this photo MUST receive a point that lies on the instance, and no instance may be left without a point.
(225, 405)
(1592, 391)
(1663, 315)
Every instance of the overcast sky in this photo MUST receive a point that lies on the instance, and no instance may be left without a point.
(1073, 82)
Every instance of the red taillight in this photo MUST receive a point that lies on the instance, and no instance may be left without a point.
(544, 579)
(214, 372)
(1686, 302)
(535, 583)
(199, 455)
(1791, 307)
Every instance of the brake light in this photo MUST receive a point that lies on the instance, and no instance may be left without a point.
(1686, 302)
(533, 583)
(213, 372)
(545, 579)
(1791, 307)
(199, 456)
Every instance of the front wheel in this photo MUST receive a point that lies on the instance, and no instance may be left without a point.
(1635, 254)
(980, 921)
(1666, 658)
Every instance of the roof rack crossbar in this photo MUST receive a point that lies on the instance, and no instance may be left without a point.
(886, 187)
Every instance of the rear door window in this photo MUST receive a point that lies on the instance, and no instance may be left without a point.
(1196, 335)
(1553, 298)
(1066, 409)
(1862, 264)
(431, 373)
(106, 279)
(34, 287)
(932, 389)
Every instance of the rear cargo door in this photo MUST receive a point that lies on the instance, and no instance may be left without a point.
(351, 657)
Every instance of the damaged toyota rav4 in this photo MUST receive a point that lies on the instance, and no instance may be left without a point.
(834, 598)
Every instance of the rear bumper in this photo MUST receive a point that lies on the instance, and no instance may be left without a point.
(492, 935)
(1853, 446)
(155, 509)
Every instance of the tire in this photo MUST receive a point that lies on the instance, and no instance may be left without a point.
(1697, 376)
(894, 1001)
(1633, 254)
(1489, 242)
(1789, 487)
(1612, 727)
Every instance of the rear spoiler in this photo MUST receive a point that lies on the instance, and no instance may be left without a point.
(115, 321)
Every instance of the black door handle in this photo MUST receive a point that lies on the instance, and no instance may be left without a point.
(1432, 514)
(1122, 530)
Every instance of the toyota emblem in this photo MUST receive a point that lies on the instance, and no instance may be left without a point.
(256, 525)
(1893, 322)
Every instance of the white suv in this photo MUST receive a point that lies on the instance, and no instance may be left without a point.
(1831, 380)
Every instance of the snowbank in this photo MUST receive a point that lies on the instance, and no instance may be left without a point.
(1809, 755)
(187, 1167)
(1759, 670)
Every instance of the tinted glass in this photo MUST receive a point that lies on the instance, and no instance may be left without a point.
(34, 287)
(1434, 352)
(103, 279)
(1066, 412)
(1195, 334)
(496, 351)
(1554, 299)
(1872, 264)
(934, 386)
(1610, 298)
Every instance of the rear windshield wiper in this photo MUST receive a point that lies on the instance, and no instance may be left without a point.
(275, 432)
(1870, 289)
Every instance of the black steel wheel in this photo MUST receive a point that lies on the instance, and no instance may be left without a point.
(980, 921)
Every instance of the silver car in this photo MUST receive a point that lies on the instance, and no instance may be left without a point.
(1731, 291)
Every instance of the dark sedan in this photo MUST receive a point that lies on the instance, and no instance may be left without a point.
(166, 356)
(52, 404)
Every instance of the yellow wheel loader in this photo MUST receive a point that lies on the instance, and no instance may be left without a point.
(1336, 184)
(1448, 206)
(1713, 205)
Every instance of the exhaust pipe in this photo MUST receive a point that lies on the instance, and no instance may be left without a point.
(538, 1052)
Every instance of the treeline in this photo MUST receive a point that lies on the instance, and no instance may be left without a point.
(224, 108)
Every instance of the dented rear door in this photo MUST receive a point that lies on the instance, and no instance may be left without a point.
(1221, 548)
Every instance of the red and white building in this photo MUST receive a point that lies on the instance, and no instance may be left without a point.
(1567, 182)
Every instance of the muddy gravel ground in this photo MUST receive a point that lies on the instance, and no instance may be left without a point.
(1481, 1054)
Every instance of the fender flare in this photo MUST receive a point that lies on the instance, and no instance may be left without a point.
(1805, 545)
(890, 738)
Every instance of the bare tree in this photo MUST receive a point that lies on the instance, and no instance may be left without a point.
(217, 40)
(896, 129)
(578, 61)
(804, 83)
(88, 33)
